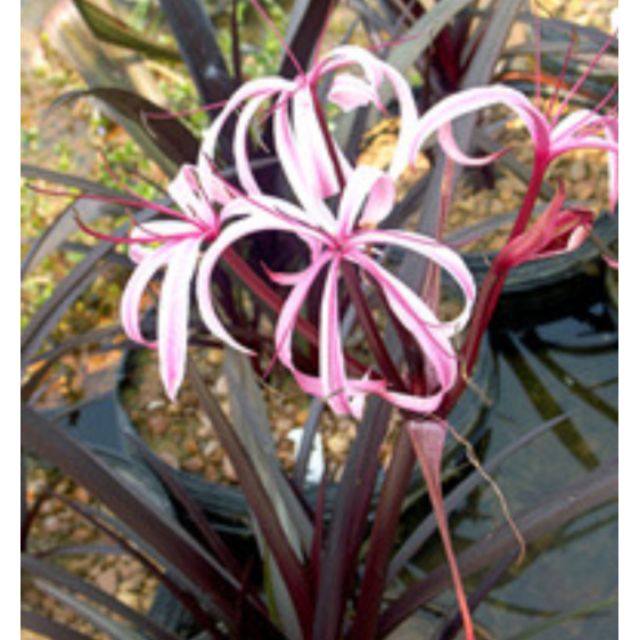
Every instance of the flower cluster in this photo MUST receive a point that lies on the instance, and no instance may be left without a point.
(347, 232)
(340, 212)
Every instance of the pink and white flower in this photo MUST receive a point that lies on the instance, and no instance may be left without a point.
(349, 237)
(301, 143)
(174, 245)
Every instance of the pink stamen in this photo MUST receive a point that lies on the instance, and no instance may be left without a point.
(127, 239)
(601, 105)
(138, 202)
(276, 32)
(581, 80)
(174, 115)
(561, 77)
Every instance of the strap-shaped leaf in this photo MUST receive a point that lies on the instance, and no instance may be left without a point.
(170, 136)
(54, 574)
(52, 443)
(303, 33)
(196, 39)
(110, 29)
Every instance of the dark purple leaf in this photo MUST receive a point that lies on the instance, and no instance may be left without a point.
(49, 628)
(597, 488)
(196, 39)
(52, 443)
(173, 138)
(39, 569)
(340, 559)
(292, 570)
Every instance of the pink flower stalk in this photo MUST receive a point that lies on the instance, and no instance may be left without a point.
(349, 238)
(179, 240)
(302, 140)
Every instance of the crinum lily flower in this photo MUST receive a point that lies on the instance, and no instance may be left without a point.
(180, 240)
(583, 129)
(333, 241)
(302, 141)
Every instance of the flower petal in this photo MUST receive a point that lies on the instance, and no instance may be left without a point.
(132, 294)
(369, 185)
(450, 147)
(230, 235)
(289, 154)
(439, 253)
(185, 189)
(420, 321)
(173, 314)
(375, 71)
(471, 100)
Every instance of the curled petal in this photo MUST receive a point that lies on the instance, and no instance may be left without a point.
(292, 163)
(212, 255)
(316, 164)
(375, 71)
(439, 253)
(419, 320)
(470, 100)
(345, 395)
(450, 147)
(332, 369)
(240, 140)
(350, 92)
(263, 87)
(173, 314)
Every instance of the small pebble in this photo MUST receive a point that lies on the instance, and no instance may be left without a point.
(193, 465)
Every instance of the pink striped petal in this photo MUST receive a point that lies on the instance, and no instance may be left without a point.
(240, 150)
(264, 87)
(375, 71)
(365, 185)
(470, 100)
(350, 92)
(132, 295)
(332, 368)
(420, 321)
(173, 314)
(290, 158)
(316, 164)
(450, 147)
(230, 235)
(439, 253)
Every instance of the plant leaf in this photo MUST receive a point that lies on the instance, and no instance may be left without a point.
(170, 136)
(110, 29)
(196, 39)
(54, 574)
(52, 443)
(47, 627)
(595, 489)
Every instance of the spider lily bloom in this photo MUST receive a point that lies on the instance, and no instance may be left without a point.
(582, 129)
(335, 241)
(179, 240)
(302, 142)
